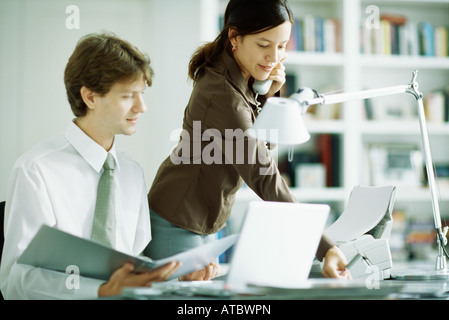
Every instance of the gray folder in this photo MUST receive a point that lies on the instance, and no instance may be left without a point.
(56, 250)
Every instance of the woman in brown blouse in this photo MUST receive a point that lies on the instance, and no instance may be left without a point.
(194, 189)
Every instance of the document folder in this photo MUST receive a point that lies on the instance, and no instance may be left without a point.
(56, 250)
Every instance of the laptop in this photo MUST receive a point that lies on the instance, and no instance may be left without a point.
(277, 243)
(276, 246)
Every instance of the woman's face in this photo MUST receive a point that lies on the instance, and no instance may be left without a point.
(257, 54)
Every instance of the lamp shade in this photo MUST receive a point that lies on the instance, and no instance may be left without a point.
(282, 115)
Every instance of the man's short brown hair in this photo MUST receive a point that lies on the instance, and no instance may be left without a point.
(99, 61)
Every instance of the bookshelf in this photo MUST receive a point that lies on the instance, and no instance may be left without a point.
(350, 67)
(433, 77)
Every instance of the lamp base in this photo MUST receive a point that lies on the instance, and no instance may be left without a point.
(439, 272)
(422, 275)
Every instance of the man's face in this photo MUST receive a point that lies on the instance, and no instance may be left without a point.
(118, 111)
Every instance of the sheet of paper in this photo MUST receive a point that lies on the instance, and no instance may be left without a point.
(196, 258)
(365, 209)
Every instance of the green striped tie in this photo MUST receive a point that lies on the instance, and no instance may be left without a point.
(103, 229)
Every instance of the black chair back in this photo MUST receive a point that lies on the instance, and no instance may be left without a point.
(2, 235)
(2, 220)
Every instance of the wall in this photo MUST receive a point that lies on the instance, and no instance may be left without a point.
(35, 45)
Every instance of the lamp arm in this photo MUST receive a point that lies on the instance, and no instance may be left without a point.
(361, 95)
(302, 96)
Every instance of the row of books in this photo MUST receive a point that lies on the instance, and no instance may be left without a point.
(396, 36)
(411, 238)
(315, 34)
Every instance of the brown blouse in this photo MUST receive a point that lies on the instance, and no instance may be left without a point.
(195, 186)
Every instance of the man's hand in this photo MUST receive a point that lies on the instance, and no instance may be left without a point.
(125, 277)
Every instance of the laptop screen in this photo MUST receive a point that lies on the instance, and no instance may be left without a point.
(277, 243)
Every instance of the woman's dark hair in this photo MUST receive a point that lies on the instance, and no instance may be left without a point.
(246, 17)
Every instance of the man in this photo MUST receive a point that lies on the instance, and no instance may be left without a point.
(56, 182)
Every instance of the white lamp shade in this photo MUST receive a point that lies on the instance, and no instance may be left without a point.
(284, 117)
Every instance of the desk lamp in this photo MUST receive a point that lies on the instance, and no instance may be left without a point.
(285, 115)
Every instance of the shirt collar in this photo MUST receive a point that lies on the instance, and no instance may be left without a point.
(91, 151)
(236, 75)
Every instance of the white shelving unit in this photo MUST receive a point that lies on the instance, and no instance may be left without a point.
(352, 70)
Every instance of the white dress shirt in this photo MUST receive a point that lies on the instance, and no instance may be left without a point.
(55, 183)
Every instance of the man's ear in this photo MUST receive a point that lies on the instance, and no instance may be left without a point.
(88, 97)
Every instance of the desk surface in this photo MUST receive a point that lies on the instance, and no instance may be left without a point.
(322, 289)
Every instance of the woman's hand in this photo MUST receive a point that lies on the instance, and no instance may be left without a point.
(335, 264)
(208, 273)
(125, 277)
(278, 77)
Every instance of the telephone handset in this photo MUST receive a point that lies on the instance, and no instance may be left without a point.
(261, 87)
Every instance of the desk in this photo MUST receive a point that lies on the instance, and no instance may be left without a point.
(420, 289)
(315, 289)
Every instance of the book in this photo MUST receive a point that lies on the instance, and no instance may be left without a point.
(441, 41)
(56, 250)
(435, 106)
(442, 175)
(325, 149)
(330, 35)
(386, 36)
(426, 32)
(309, 33)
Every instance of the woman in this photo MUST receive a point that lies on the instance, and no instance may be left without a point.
(194, 189)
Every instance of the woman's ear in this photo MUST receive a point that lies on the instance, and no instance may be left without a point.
(88, 97)
(232, 35)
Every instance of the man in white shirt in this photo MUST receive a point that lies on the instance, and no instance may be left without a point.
(56, 182)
